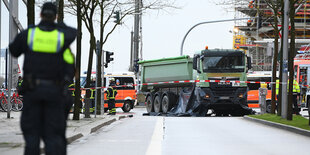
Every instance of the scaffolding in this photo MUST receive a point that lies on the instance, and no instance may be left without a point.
(259, 31)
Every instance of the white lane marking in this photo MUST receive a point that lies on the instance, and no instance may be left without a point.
(157, 138)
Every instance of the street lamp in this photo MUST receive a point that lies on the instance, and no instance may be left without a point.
(208, 22)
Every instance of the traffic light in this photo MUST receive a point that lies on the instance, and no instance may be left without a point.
(117, 17)
(136, 66)
(108, 58)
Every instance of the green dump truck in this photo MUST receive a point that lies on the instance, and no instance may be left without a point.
(164, 80)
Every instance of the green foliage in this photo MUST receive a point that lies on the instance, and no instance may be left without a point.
(298, 121)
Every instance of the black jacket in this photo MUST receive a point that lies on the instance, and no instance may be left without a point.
(110, 90)
(49, 66)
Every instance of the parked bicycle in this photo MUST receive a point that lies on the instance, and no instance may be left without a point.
(3, 101)
(16, 102)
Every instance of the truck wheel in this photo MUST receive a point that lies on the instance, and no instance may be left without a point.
(127, 106)
(268, 107)
(167, 102)
(157, 104)
(149, 104)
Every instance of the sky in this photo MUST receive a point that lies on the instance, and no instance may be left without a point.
(162, 32)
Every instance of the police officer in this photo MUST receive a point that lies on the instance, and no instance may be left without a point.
(70, 98)
(45, 58)
(19, 83)
(111, 93)
(296, 92)
(92, 95)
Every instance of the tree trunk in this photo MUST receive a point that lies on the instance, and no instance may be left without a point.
(90, 62)
(30, 12)
(275, 60)
(60, 11)
(77, 102)
(99, 81)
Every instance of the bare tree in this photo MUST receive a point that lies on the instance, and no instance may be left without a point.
(30, 12)
(60, 16)
(77, 101)
(275, 5)
(89, 11)
(292, 53)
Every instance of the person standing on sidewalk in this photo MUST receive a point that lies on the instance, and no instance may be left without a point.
(43, 116)
(111, 93)
(92, 95)
(296, 92)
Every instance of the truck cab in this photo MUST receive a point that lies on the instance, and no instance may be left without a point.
(223, 68)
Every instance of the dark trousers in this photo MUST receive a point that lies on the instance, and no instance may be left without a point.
(295, 105)
(92, 105)
(111, 106)
(43, 118)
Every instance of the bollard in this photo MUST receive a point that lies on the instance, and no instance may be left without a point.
(262, 97)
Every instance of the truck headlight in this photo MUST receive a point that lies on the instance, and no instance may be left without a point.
(207, 96)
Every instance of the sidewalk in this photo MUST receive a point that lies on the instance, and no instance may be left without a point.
(11, 138)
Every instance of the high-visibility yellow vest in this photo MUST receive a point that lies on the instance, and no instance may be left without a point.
(92, 93)
(296, 88)
(68, 56)
(45, 41)
(20, 83)
(113, 93)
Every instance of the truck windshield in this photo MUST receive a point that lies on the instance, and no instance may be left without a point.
(227, 63)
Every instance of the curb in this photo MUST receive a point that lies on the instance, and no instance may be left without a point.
(280, 126)
(122, 117)
(73, 138)
(96, 128)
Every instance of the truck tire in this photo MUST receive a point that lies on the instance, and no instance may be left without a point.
(149, 103)
(268, 107)
(127, 106)
(168, 101)
(157, 103)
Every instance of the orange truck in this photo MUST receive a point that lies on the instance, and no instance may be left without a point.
(126, 92)
(125, 85)
(253, 93)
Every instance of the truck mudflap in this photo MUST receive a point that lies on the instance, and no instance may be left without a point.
(190, 104)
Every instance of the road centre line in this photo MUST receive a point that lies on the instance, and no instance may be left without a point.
(155, 147)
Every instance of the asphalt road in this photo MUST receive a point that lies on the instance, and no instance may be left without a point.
(152, 135)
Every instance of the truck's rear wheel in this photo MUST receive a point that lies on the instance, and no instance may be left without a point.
(167, 102)
(157, 104)
(149, 104)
